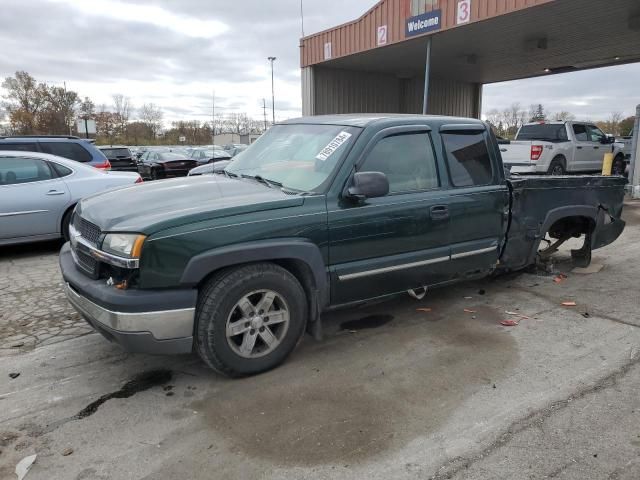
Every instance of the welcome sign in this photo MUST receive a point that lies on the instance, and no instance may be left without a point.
(427, 22)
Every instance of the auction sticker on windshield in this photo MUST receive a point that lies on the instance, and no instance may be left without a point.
(333, 145)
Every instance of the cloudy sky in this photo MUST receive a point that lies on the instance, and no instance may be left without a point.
(174, 53)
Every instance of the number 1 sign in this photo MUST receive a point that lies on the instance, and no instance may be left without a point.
(464, 12)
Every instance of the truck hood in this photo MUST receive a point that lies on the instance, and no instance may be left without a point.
(153, 206)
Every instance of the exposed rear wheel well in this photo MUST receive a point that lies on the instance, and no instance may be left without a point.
(571, 227)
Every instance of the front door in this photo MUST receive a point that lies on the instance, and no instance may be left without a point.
(394, 243)
(598, 148)
(583, 158)
(32, 199)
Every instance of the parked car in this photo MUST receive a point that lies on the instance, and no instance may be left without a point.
(557, 148)
(321, 212)
(209, 168)
(625, 143)
(73, 148)
(156, 165)
(237, 149)
(39, 191)
(120, 157)
(204, 156)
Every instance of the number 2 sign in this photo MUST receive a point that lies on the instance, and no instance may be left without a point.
(464, 11)
(382, 35)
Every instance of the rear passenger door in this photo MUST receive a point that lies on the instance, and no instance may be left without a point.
(583, 158)
(394, 243)
(478, 199)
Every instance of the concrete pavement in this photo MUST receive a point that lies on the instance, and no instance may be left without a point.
(395, 393)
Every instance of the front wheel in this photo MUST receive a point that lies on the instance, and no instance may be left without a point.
(250, 319)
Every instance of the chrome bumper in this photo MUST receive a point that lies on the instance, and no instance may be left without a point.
(163, 325)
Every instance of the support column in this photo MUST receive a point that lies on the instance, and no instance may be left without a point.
(427, 71)
(634, 166)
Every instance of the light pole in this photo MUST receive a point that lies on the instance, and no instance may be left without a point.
(273, 95)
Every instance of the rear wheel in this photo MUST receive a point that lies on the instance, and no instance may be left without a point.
(619, 166)
(250, 319)
(557, 167)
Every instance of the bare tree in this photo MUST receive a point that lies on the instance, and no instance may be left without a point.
(151, 116)
(564, 116)
(122, 108)
(613, 123)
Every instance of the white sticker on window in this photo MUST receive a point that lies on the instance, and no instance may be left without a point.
(333, 145)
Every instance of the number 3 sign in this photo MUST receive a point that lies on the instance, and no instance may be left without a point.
(464, 11)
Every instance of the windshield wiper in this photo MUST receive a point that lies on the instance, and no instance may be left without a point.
(264, 181)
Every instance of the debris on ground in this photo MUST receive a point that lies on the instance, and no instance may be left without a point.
(517, 314)
(568, 304)
(561, 277)
(481, 291)
(17, 345)
(67, 451)
(24, 465)
(468, 310)
(509, 323)
(14, 375)
(425, 309)
(586, 315)
(593, 268)
(468, 298)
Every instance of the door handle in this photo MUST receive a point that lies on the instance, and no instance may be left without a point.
(55, 192)
(503, 149)
(596, 148)
(439, 212)
(579, 148)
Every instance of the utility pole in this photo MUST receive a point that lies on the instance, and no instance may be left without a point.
(213, 119)
(634, 166)
(65, 106)
(264, 111)
(302, 17)
(273, 95)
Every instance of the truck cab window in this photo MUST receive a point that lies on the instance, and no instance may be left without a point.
(580, 131)
(407, 160)
(468, 159)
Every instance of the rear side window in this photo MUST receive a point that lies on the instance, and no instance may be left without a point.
(69, 150)
(580, 132)
(23, 170)
(61, 170)
(407, 160)
(468, 159)
(19, 147)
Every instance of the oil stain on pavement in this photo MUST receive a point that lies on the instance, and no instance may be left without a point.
(331, 404)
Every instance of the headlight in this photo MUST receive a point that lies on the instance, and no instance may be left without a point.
(123, 244)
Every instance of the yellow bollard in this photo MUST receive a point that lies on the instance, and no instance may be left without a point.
(607, 165)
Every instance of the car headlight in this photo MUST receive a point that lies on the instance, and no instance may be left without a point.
(124, 244)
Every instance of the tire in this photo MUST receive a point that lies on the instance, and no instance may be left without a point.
(223, 302)
(619, 166)
(66, 221)
(557, 167)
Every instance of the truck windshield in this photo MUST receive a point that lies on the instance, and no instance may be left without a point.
(298, 156)
(543, 132)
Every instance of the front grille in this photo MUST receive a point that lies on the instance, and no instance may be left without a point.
(87, 263)
(90, 232)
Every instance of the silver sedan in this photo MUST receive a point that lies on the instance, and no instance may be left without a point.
(38, 192)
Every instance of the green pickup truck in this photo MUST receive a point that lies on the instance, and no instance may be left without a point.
(320, 212)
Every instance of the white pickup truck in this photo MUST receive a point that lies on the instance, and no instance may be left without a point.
(556, 148)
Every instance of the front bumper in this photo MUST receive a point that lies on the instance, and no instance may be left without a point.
(143, 321)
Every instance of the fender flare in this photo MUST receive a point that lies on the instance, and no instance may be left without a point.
(558, 213)
(265, 250)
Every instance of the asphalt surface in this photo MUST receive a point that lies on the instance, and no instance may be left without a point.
(392, 392)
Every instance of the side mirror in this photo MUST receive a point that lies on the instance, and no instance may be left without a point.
(368, 185)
